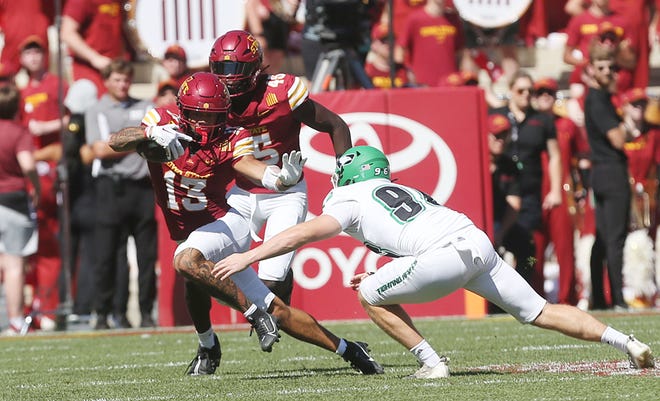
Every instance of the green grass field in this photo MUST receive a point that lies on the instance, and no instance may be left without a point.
(491, 359)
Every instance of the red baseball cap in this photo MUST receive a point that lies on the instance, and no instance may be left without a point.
(165, 85)
(497, 123)
(634, 95)
(32, 40)
(546, 83)
(606, 27)
(175, 51)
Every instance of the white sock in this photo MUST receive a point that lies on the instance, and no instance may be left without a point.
(341, 348)
(206, 338)
(17, 322)
(425, 354)
(614, 338)
(268, 300)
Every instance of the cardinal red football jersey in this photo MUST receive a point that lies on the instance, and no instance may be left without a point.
(269, 119)
(190, 190)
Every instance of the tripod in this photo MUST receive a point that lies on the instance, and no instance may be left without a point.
(339, 69)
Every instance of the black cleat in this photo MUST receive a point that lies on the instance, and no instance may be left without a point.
(357, 353)
(265, 325)
(121, 322)
(147, 322)
(206, 360)
(102, 323)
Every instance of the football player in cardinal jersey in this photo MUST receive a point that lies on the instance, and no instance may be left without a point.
(189, 182)
(272, 108)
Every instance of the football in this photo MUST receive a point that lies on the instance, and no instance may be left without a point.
(153, 152)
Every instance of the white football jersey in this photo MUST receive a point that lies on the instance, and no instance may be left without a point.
(393, 219)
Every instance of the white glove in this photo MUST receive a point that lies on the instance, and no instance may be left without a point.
(168, 138)
(292, 168)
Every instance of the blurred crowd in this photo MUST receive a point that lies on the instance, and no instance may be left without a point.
(538, 135)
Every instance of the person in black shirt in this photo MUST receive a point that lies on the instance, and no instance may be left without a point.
(504, 174)
(609, 176)
(531, 134)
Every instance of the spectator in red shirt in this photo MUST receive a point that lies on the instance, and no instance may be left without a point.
(637, 14)
(400, 11)
(41, 115)
(377, 63)
(587, 27)
(18, 21)
(175, 64)
(643, 154)
(92, 30)
(431, 45)
(558, 224)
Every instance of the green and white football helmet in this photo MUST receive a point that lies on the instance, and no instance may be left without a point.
(360, 163)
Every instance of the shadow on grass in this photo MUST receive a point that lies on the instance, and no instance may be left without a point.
(342, 371)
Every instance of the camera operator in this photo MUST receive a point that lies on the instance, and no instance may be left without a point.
(337, 24)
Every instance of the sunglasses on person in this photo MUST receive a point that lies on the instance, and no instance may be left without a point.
(522, 91)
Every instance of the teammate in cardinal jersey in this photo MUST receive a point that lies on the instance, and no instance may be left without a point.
(272, 107)
(190, 188)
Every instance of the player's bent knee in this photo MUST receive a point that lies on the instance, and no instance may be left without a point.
(187, 261)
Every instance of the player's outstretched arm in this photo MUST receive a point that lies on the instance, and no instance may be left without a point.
(318, 228)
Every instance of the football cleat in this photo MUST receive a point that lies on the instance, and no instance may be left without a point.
(357, 353)
(639, 354)
(206, 361)
(265, 325)
(101, 323)
(439, 371)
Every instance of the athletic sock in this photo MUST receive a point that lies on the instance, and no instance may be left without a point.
(341, 348)
(17, 322)
(425, 354)
(206, 338)
(614, 338)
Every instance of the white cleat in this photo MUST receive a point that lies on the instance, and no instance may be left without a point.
(439, 371)
(639, 354)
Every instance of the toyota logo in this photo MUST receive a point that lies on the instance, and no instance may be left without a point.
(424, 143)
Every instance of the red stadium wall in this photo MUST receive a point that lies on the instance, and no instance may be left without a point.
(435, 141)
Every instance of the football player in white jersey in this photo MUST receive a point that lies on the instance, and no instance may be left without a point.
(436, 251)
